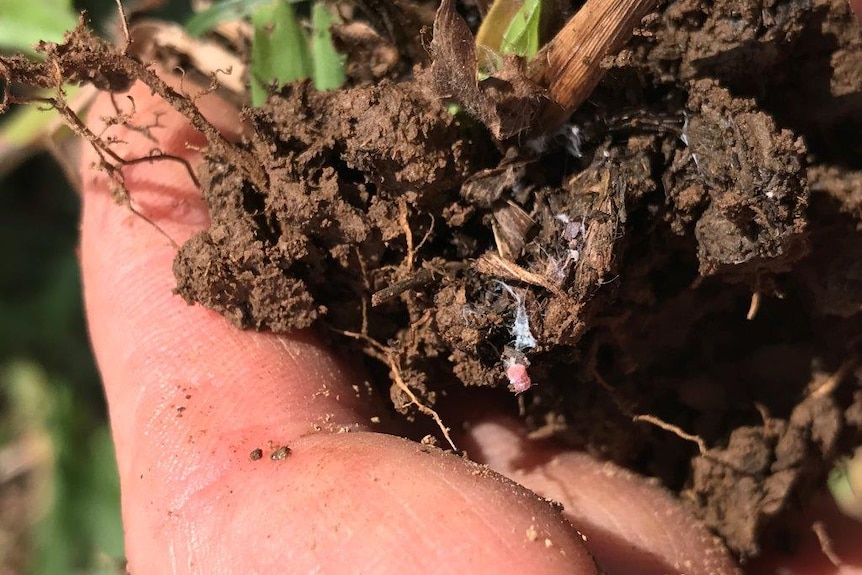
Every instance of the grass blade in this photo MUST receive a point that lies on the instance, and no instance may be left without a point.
(279, 51)
(328, 63)
(24, 23)
(510, 27)
(220, 12)
(522, 36)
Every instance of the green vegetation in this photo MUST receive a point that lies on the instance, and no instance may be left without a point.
(522, 35)
(58, 478)
(510, 27)
(221, 12)
(22, 25)
(25, 22)
(328, 64)
(279, 50)
(282, 50)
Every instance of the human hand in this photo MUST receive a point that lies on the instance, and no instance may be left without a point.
(191, 399)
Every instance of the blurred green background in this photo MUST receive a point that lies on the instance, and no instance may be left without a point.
(59, 492)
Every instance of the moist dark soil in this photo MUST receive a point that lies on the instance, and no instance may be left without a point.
(678, 269)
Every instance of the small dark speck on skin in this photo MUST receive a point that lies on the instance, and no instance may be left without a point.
(256, 454)
(280, 453)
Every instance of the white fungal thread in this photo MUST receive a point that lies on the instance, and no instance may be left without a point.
(573, 235)
(572, 135)
(537, 145)
(468, 315)
(524, 338)
(571, 229)
(684, 135)
(556, 268)
(517, 188)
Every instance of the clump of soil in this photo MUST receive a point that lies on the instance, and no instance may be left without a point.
(677, 269)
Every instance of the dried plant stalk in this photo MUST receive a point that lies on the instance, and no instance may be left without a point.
(493, 265)
(570, 65)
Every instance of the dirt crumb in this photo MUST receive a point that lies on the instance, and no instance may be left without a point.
(744, 180)
(280, 453)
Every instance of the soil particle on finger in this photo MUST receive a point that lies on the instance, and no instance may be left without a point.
(280, 453)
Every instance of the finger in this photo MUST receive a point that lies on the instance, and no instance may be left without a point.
(629, 524)
(192, 400)
(364, 502)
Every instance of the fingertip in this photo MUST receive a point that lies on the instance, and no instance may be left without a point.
(630, 525)
(359, 502)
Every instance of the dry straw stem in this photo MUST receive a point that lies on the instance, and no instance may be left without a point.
(493, 265)
(571, 63)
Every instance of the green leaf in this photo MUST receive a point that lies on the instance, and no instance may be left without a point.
(510, 27)
(495, 24)
(83, 524)
(26, 22)
(26, 130)
(279, 51)
(328, 63)
(77, 487)
(219, 12)
(25, 125)
(522, 36)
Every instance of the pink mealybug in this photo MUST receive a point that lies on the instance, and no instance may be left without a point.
(516, 373)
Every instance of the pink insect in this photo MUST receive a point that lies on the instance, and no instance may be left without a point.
(516, 373)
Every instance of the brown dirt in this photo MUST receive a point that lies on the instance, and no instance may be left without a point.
(689, 253)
